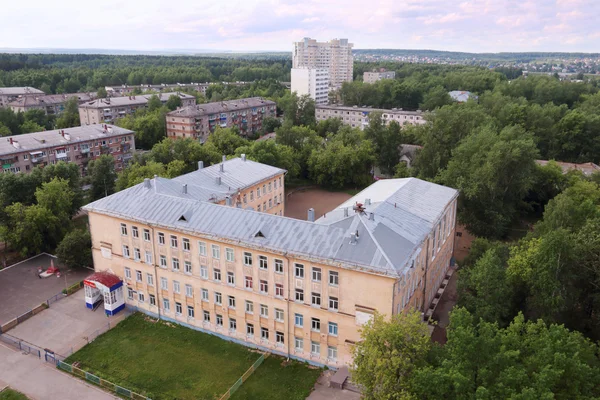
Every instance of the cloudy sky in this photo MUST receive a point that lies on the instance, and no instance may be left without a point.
(241, 25)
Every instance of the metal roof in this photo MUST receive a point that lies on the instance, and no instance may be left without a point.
(138, 99)
(221, 106)
(50, 99)
(19, 91)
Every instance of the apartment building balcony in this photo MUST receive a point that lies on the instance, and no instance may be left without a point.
(37, 160)
(84, 150)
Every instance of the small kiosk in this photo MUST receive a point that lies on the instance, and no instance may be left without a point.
(107, 287)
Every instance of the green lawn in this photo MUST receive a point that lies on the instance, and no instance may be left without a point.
(9, 394)
(168, 361)
(272, 381)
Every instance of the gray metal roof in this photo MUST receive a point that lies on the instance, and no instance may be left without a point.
(139, 99)
(367, 109)
(47, 139)
(50, 99)
(384, 245)
(221, 106)
(19, 91)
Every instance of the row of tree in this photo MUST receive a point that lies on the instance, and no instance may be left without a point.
(35, 120)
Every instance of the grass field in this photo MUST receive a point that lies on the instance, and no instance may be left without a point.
(9, 394)
(168, 361)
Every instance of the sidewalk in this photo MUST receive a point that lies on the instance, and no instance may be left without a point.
(40, 381)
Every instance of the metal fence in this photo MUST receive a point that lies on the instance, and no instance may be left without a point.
(22, 345)
(245, 376)
(103, 383)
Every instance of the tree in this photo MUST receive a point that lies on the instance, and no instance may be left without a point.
(154, 103)
(435, 98)
(30, 127)
(269, 124)
(298, 110)
(225, 141)
(67, 171)
(75, 250)
(270, 153)
(57, 197)
(32, 229)
(329, 125)
(386, 141)
(70, 116)
(189, 151)
(149, 125)
(388, 354)
(102, 93)
(173, 102)
(136, 173)
(4, 130)
(102, 176)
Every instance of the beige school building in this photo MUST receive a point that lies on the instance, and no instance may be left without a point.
(199, 251)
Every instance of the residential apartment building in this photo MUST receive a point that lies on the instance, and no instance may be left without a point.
(8, 94)
(313, 82)
(334, 55)
(109, 109)
(22, 153)
(300, 289)
(358, 117)
(50, 104)
(201, 120)
(124, 90)
(377, 75)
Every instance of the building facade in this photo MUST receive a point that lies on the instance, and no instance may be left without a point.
(334, 55)
(358, 117)
(50, 104)
(22, 153)
(124, 90)
(313, 82)
(201, 120)
(111, 108)
(377, 75)
(301, 289)
(9, 94)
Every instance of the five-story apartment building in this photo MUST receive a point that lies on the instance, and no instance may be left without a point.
(358, 117)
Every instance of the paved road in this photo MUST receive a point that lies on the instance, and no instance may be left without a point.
(40, 381)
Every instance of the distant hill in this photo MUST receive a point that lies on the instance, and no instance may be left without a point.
(455, 55)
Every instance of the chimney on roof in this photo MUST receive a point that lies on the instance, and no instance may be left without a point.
(372, 216)
(185, 188)
(147, 183)
(243, 157)
(200, 164)
(155, 176)
(345, 212)
(218, 179)
(353, 239)
(228, 201)
(11, 141)
(311, 215)
(367, 202)
(224, 158)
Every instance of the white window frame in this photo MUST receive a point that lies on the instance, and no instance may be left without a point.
(332, 328)
(263, 262)
(278, 266)
(229, 254)
(174, 241)
(299, 270)
(216, 251)
(202, 248)
(334, 278)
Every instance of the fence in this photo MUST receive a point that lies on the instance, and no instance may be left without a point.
(245, 377)
(103, 383)
(73, 288)
(24, 346)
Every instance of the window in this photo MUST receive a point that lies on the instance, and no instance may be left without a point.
(262, 262)
(251, 196)
(333, 329)
(204, 271)
(206, 316)
(249, 307)
(204, 294)
(269, 187)
(148, 255)
(137, 254)
(175, 264)
(316, 274)
(279, 266)
(270, 203)
(219, 320)
(166, 304)
(130, 293)
(217, 274)
(299, 344)
(189, 291)
(249, 330)
(264, 311)
(248, 259)
(202, 248)
(187, 267)
(147, 235)
(186, 244)
(134, 232)
(123, 229)
(315, 324)
(299, 270)
(248, 282)
(299, 320)
(279, 315)
(125, 251)
(333, 303)
(164, 284)
(264, 333)
(173, 241)
(316, 299)
(279, 337)
(264, 287)
(332, 353)
(278, 290)
(152, 300)
(333, 278)
(229, 254)
(161, 238)
(230, 278)
(218, 298)
(258, 192)
(264, 189)
(231, 301)
(163, 261)
(176, 287)
(127, 273)
(190, 310)
(138, 276)
(178, 308)
(150, 279)
(216, 251)
(315, 348)
(300, 295)
(245, 199)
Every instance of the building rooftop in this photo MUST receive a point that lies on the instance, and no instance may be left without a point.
(404, 211)
(131, 100)
(461, 95)
(586, 168)
(47, 139)
(19, 91)
(221, 106)
(49, 99)
(368, 109)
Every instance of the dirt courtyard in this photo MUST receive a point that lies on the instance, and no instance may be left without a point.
(298, 202)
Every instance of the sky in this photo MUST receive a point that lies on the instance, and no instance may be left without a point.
(259, 25)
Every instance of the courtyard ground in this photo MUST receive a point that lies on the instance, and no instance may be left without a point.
(298, 201)
(167, 361)
(9, 394)
(21, 289)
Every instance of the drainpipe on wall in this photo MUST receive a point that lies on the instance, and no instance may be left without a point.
(425, 276)
(154, 259)
(287, 320)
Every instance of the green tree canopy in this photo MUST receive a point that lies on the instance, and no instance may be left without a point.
(75, 250)
(102, 176)
(70, 115)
